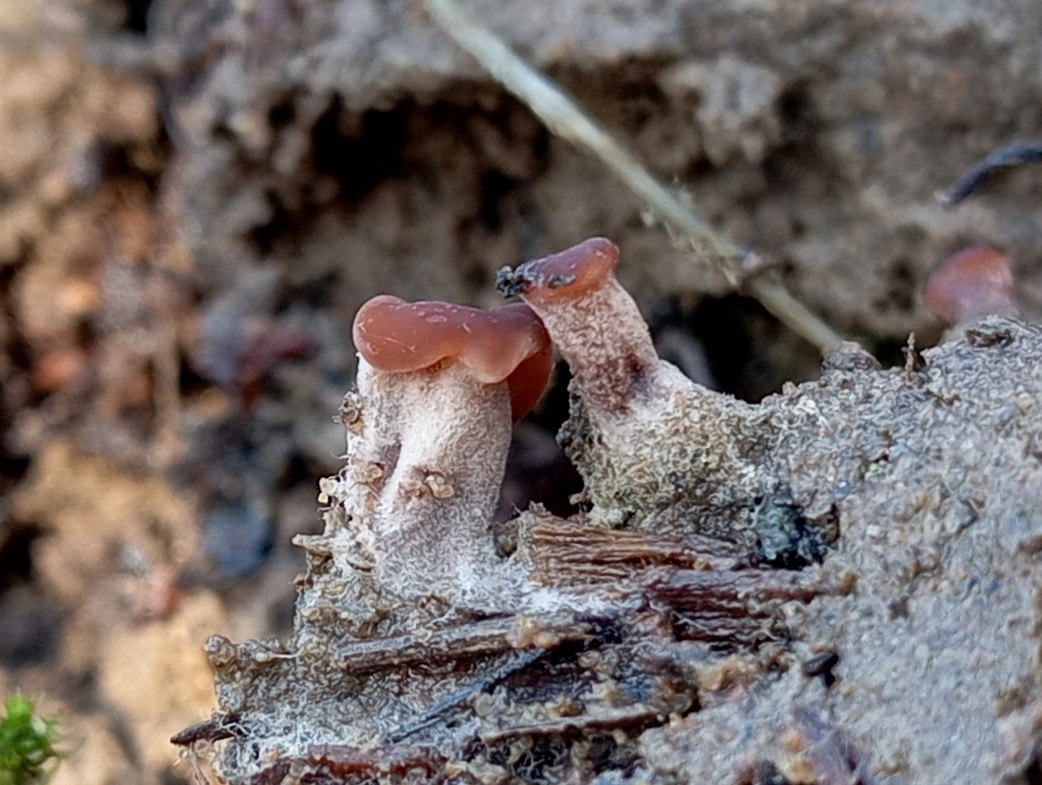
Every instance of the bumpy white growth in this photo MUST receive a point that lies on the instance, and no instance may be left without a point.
(425, 465)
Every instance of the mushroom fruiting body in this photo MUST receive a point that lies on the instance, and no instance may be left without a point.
(438, 385)
(972, 283)
(596, 326)
(649, 442)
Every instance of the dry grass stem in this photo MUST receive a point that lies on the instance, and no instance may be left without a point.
(566, 119)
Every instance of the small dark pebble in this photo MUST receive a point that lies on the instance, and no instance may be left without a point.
(821, 665)
(786, 540)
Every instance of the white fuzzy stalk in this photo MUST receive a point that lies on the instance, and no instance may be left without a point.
(426, 464)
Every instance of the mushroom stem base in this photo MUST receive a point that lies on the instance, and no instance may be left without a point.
(427, 466)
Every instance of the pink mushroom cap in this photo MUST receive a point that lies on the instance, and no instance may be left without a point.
(504, 344)
(971, 283)
(564, 276)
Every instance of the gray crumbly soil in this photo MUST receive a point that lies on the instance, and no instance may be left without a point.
(933, 475)
(922, 616)
(195, 197)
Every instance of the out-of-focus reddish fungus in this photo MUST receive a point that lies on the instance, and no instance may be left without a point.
(262, 353)
(974, 282)
(438, 385)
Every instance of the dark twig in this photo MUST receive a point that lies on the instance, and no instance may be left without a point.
(567, 553)
(628, 718)
(469, 641)
(484, 681)
(214, 729)
(739, 593)
(1004, 158)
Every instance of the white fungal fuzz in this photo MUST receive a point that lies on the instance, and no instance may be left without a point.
(440, 439)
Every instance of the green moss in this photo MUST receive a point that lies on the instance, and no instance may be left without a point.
(26, 744)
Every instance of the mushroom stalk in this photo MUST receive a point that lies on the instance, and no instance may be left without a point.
(438, 387)
(426, 468)
(651, 444)
(599, 331)
(607, 345)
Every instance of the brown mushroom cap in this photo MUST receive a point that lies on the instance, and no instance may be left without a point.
(971, 283)
(563, 276)
(508, 343)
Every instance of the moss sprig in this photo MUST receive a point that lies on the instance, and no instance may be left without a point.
(27, 744)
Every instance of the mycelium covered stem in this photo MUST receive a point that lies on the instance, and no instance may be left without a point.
(596, 325)
(648, 441)
(438, 386)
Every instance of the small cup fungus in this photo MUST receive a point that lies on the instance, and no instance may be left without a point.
(438, 385)
(629, 405)
(972, 283)
(595, 323)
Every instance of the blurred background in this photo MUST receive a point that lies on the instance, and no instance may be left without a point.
(196, 196)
